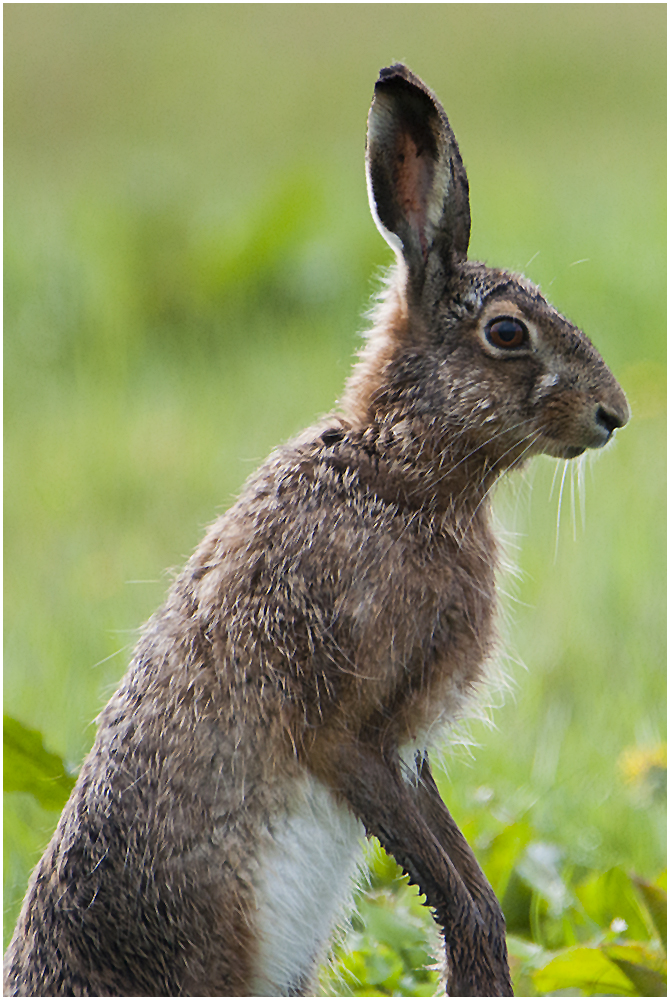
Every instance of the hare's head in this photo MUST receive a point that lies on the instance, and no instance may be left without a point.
(477, 352)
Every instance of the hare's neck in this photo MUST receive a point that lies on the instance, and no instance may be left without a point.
(422, 460)
(367, 382)
(426, 472)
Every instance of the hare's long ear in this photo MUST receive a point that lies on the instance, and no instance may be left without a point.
(417, 183)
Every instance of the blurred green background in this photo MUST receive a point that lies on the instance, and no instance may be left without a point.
(188, 251)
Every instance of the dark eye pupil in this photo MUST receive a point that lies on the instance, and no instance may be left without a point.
(506, 333)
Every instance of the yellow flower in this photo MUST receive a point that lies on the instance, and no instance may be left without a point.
(645, 769)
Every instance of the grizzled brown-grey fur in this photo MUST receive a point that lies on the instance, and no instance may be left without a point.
(282, 701)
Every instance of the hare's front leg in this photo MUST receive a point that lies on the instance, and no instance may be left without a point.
(375, 790)
(444, 828)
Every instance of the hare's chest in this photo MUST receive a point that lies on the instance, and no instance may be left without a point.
(439, 654)
(466, 605)
(456, 645)
(449, 592)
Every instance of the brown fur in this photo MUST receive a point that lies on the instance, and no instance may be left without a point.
(338, 612)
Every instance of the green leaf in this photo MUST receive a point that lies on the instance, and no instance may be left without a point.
(379, 967)
(389, 921)
(656, 901)
(586, 969)
(612, 896)
(503, 852)
(28, 767)
(384, 870)
(384, 966)
(645, 969)
(647, 983)
(516, 904)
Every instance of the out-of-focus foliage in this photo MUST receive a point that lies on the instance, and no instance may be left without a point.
(188, 251)
(29, 767)
(569, 928)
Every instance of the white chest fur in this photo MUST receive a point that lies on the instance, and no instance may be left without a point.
(305, 880)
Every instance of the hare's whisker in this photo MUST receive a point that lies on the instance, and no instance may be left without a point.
(558, 511)
(581, 486)
(557, 463)
(531, 438)
(484, 444)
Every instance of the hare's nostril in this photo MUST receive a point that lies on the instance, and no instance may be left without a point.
(609, 419)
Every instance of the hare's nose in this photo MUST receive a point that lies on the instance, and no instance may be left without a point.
(609, 418)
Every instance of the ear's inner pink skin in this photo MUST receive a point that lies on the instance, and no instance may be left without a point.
(414, 179)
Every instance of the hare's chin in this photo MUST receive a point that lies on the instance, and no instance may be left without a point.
(573, 452)
(557, 450)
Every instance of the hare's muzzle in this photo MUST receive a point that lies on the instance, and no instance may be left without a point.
(608, 419)
(574, 423)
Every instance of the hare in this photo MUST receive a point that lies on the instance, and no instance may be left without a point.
(281, 704)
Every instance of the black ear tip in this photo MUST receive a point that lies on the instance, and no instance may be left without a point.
(397, 69)
(399, 78)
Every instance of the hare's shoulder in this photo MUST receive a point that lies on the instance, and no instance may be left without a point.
(332, 512)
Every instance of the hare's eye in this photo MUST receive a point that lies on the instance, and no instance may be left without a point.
(506, 332)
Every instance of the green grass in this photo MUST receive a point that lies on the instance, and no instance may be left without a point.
(188, 251)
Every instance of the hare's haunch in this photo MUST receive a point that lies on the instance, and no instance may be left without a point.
(279, 706)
